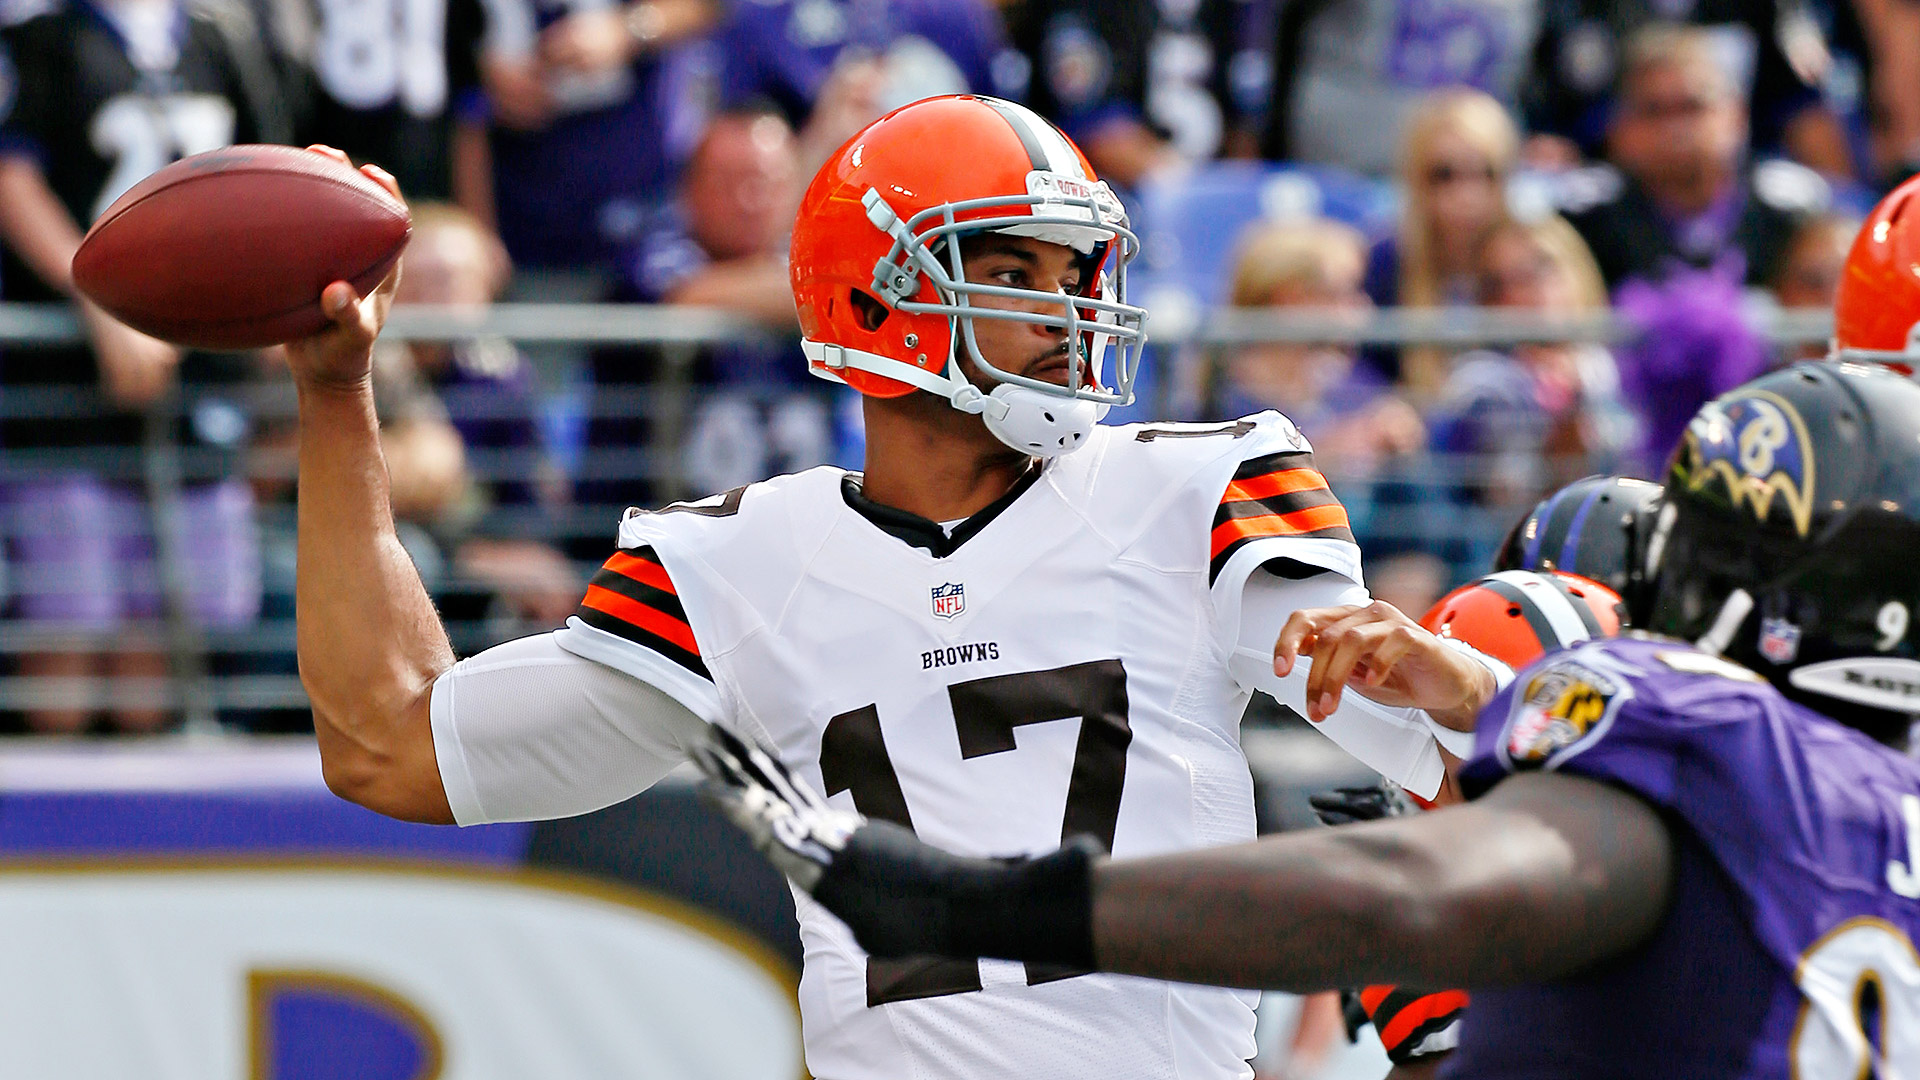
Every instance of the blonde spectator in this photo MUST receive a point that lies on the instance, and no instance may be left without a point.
(1348, 412)
(1540, 415)
(1459, 149)
(1541, 266)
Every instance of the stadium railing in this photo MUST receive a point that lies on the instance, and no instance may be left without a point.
(242, 676)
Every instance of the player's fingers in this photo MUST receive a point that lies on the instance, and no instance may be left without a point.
(385, 179)
(1333, 623)
(1340, 648)
(1296, 635)
(1393, 645)
(1299, 633)
(328, 151)
(338, 302)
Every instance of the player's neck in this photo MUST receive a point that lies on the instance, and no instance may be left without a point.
(926, 458)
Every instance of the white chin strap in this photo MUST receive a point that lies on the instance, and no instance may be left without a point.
(1031, 421)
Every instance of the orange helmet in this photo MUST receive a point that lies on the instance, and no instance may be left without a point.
(1876, 311)
(1518, 616)
(885, 305)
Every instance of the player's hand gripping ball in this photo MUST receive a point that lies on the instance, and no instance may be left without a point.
(231, 249)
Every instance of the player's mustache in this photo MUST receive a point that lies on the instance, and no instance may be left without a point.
(1059, 351)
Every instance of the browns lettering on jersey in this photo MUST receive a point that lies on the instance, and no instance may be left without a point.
(633, 597)
(1275, 495)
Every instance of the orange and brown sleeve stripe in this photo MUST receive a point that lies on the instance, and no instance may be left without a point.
(1276, 495)
(1405, 1017)
(633, 597)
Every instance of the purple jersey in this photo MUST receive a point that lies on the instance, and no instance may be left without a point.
(1787, 949)
(783, 50)
(573, 192)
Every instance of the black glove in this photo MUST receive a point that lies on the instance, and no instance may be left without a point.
(1344, 806)
(900, 896)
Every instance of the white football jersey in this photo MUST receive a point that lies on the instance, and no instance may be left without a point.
(1057, 665)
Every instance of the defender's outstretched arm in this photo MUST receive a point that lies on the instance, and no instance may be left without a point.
(1547, 874)
(1544, 876)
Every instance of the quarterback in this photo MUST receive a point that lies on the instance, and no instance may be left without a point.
(1012, 627)
(1694, 852)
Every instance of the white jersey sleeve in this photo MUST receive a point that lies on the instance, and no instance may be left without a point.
(528, 730)
(1396, 743)
(1271, 502)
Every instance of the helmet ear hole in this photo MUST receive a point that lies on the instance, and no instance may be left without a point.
(872, 312)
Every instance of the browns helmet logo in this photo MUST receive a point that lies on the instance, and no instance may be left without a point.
(1756, 445)
(1560, 710)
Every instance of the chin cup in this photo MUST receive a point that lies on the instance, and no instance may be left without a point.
(1037, 423)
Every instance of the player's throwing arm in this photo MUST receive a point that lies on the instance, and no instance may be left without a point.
(369, 641)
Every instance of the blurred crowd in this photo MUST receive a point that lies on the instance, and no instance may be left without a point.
(1685, 162)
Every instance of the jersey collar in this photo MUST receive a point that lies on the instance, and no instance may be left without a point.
(923, 533)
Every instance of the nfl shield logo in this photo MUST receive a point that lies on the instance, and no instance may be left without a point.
(1779, 640)
(949, 600)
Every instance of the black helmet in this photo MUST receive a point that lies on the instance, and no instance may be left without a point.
(1790, 539)
(1596, 528)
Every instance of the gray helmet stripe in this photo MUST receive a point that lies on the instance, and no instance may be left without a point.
(1554, 617)
(1036, 155)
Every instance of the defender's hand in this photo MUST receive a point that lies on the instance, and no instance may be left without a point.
(899, 896)
(1347, 805)
(791, 825)
(1387, 657)
(342, 354)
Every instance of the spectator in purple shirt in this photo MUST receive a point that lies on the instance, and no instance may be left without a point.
(785, 51)
(753, 410)
(586, 106)
(485, 387)
(1682, 223)
(1680, 192)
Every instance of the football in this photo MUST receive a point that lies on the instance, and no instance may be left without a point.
(231, 249)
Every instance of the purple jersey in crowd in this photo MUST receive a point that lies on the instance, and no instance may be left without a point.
(573, 192)
(1796, 893)
(784, 50)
